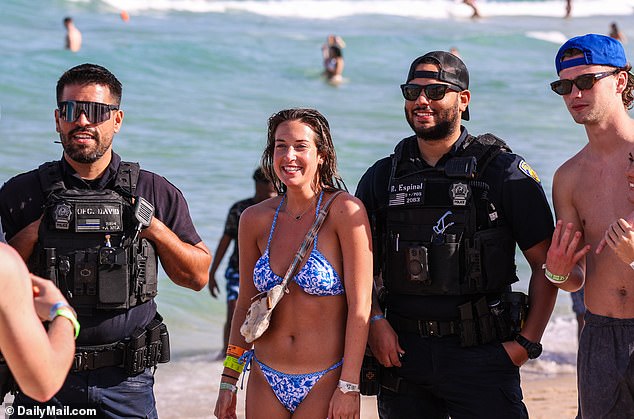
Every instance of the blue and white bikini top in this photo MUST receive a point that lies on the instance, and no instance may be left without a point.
(317, 276)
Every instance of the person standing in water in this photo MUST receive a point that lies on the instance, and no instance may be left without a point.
(73, 35)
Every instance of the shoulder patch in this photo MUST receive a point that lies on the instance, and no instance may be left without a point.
(528, 170)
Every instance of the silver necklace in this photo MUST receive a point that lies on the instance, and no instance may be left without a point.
(301, 214)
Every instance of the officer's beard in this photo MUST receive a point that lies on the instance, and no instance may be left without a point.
(85, 153)
(444, 128)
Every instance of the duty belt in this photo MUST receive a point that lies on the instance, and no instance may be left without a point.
(100, 356)
(145, 348)
(424, 328)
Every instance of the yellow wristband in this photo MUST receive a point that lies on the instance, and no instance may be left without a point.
(232, 363)
(554, 278)
(65, 312)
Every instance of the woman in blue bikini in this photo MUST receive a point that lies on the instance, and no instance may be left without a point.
(307, 364)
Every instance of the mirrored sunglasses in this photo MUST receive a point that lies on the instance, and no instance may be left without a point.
(95, 112)
(432, 91)
(583, 82)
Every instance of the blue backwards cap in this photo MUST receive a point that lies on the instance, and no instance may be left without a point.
(597, 50)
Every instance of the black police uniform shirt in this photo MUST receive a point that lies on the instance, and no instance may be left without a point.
(514, 190)
(21, 203)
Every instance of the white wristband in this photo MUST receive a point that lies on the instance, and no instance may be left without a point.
(228, 386)
(347, 387)
(632, 264)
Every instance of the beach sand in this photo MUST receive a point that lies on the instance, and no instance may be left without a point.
(545, 397)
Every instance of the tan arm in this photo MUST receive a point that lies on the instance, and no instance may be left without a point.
(39, 360)
(187, 265)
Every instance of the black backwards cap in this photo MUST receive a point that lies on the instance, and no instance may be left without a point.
(452, 71)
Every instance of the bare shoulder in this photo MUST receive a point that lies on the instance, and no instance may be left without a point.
(571, 168)
(260, 213)
(343, 200)
(347, 205)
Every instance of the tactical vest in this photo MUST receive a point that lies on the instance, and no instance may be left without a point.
(442, 235)
(89, 243)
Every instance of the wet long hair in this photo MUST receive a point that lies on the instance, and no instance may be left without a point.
(328, 176)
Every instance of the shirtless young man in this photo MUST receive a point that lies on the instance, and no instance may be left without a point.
(589, 194)
(620, 234)
(73, 36)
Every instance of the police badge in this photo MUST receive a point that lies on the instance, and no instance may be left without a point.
(62, 215)
(459, 194)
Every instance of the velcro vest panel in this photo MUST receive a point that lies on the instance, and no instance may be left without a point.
(88, 244)
(442, 235)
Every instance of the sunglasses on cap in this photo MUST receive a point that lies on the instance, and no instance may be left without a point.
(95, 112)
(583, 82)
(432, 91)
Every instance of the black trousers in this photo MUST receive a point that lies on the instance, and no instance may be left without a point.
(439, 378)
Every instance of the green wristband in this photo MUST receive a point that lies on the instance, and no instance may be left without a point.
(232, 363)
(554, 278)
(65, 312)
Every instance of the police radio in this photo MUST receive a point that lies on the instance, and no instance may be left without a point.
(143, 212)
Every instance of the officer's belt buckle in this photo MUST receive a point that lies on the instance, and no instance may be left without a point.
(428, 328)
(437, 328)
(80, 362)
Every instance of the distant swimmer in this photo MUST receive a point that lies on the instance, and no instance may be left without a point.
(455, 51)
(568, 8)
(616, 33)
(332, 40)
(73, 36)
(333, 58)
(472, 4)
(333, 65)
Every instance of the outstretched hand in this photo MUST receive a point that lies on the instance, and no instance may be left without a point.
(620, 237)
(629, 219)
(562, 254)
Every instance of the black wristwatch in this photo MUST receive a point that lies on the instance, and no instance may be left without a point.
(534, 349)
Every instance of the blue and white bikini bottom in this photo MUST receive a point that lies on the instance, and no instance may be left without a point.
(290, 389)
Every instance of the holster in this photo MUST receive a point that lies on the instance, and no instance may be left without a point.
(145, 348)
(369, 382)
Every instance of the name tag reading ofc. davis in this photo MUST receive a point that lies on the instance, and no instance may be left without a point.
(407, 194)
(98, 216)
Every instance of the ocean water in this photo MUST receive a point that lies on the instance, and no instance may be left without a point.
(201, 77)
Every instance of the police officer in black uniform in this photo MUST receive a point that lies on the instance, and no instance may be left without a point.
(447, 210)
(96, 225)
